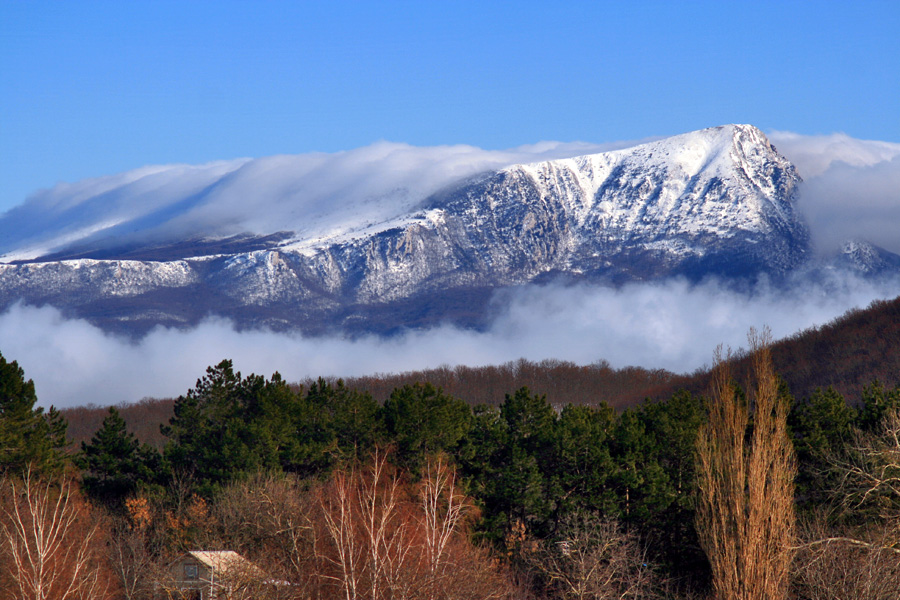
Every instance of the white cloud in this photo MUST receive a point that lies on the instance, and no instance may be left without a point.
(851, 188)
(670, 325)
(813, 154)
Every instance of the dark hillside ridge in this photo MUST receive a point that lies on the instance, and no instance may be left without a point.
(847, 354)
(853, 351)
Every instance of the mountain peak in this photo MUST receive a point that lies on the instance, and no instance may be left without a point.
(717, 201)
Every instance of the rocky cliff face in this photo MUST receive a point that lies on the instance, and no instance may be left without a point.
(718, 201)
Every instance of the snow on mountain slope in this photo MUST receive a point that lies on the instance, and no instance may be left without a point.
(719, 181)
(314, 195)
(716, 201)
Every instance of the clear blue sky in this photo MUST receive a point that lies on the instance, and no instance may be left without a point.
(93, 88)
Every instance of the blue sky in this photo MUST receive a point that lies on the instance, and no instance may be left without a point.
(94, 88)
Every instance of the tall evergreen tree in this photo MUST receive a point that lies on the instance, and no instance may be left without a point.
(520, 488)
(228, 426)
(28, 436)
(877, 401)
(820, 427)
(352, 418)
(654, 450)
(210, 435)
(421, 420)
(115, 464)
(583, 463)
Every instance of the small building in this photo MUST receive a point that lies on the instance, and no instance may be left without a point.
(214, 575)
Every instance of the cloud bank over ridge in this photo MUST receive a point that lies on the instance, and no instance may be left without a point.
(851, 190)
(314, 194)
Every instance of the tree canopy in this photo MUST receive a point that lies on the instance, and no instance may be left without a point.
(28, 436)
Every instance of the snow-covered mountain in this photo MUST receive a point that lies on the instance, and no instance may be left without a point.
(718, 201)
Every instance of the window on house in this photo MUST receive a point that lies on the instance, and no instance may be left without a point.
(190, 571)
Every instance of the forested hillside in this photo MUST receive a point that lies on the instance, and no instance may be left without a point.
(544, 480)
(847, 354)
(427, 496)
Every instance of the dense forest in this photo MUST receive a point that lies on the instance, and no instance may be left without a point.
(743, 481)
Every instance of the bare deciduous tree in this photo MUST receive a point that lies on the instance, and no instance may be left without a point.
(49, 540)
(365, 517)
(386, 529)
(270, 519)
(129, 559)
(391, 540)
(595, 559)
(860, 564)
(745, 506)
(444, 507)
(871, 472)
(338, 505)
(861, 561)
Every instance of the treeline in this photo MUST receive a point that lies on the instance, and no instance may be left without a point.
(563, 382)
(847, 354)
(532, 498)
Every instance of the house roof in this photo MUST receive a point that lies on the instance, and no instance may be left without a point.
(223, 561)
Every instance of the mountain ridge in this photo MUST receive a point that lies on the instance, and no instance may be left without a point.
(716, 202)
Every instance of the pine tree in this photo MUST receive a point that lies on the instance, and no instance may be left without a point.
(877, 402)
(209, 434)
(583, 463)
(421, 420)
(27, 435)
(821, 426)
(524, 488)
(115, 464)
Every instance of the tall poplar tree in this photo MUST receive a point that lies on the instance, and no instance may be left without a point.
(746, 470)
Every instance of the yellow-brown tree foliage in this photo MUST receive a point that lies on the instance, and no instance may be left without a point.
(746, 469)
